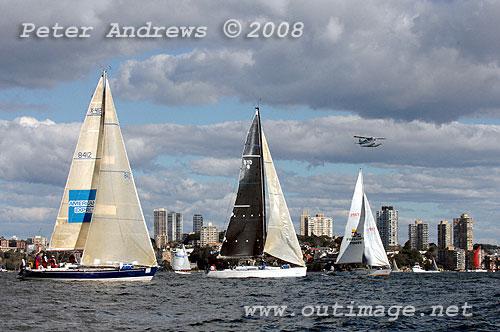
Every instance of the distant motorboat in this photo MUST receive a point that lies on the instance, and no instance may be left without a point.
(418, 269)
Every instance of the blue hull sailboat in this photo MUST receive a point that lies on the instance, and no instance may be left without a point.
(100, 216)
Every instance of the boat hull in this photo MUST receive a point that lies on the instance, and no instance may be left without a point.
(94, 274)
(183, 272)
(364, 272)
(255, 272)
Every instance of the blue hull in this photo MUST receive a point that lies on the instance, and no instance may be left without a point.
(103, 274)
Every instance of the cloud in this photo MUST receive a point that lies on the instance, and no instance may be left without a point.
(21, 107)
(433, 61)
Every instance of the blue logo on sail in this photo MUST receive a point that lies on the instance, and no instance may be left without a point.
(81, 205)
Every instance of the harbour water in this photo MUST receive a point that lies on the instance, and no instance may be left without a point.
(194, 303)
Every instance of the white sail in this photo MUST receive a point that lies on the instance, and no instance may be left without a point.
(118, 232)
(180, 261)
(75, 212)
(281, 241)
(352, 246)
(374, 249)
(187, 265)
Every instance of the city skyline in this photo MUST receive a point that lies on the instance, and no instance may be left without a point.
(184, 132)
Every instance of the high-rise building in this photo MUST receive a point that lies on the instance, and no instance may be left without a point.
(387, 224)
(452, 258)
(174, 226)
(160, 227)
(197, 223)
(321, 225)
(444, 235)
(304, 223)
(209, 234)
(463, 232)
(318, 225)
(418, 235)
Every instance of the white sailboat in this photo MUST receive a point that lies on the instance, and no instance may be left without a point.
(100, 215)
(361, 243)
(246, 233)
(180, 263)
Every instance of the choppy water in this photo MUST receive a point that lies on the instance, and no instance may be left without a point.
(194, 303)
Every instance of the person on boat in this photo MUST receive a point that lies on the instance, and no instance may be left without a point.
(45, 261)
(212, 268)
(53, 262)
(38, 261)
(72, 259)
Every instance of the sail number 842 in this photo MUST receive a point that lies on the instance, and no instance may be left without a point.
(84, 155)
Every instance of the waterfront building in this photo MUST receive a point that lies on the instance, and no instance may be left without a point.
(304, 223)
(209, 234)
(452, 259)
(197, 222)
(418, 235)
(318, 225)
(463, 232)
(174, 226)
(387, 224)
(160, 227)
(444, 235)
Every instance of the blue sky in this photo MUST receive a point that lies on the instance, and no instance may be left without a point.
(424, 75)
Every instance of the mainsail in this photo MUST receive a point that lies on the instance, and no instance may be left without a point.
(77, 205)
(361, 242)
(246, 230)
(118, 232)
(281, 241)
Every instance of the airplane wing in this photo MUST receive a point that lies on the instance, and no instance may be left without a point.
(362, 137)
(379, 138)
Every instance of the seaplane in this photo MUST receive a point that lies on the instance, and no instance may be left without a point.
(368, 142)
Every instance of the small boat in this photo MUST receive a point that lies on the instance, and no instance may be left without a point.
(477, 261)
(246, 233)
(418, 269)
(180, 263)
(361, 243)
(100, 216)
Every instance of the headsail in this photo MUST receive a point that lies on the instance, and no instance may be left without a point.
(246, 230)
(186, 265)
(374, 249)
(77, 205)
(352, 246)
(281, 241)
(178, 259)
(118, 232)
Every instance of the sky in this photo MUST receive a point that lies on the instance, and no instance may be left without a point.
(423, 74)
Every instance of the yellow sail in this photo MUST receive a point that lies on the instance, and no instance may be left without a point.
(75, 212)
(118, 232)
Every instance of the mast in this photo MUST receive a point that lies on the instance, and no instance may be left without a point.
(257, 111)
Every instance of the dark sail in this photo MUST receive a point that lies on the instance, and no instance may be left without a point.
(246, 230)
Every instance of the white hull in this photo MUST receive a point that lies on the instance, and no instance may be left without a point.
(364, 272)
(255, 272)
(419, 270)
(183, 272)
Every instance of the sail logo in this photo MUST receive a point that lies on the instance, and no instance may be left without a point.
(95, 111)
(81, 205)
(355, 238)
(247, 163)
